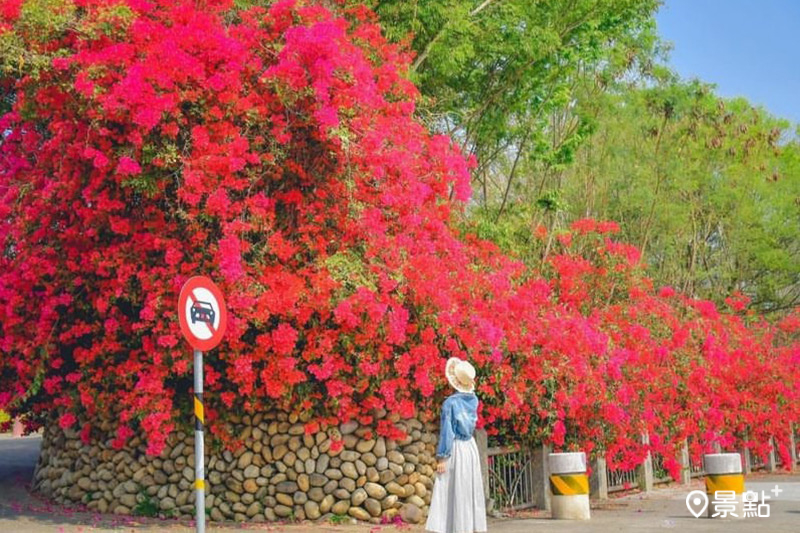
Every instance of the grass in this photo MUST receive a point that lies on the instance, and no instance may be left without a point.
(339, 519)
(146, 507)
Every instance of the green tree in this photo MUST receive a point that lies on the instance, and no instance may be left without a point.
(708, 188)
(502, 76)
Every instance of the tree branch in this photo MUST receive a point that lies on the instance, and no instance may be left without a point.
(424, 55)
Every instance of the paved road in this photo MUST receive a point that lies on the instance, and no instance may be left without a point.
(660, 511)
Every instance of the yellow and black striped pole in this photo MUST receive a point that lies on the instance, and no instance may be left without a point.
(199, 462)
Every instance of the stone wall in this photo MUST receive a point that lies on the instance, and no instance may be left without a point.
(280, 473)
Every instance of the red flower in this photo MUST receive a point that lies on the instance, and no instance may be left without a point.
(284, 338)
(275, 149)
(128, 167)
(67, 420)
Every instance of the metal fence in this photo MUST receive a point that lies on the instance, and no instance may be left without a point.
(511, 480)
(660, 474)
(757, 462)
(621, 480)
(512, 484)
(696, 469)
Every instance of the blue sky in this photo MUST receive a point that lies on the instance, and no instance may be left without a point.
(747, 48)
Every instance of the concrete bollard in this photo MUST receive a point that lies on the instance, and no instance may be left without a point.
(569, 486)
(724, 473)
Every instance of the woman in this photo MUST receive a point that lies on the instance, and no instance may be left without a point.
(457, 504)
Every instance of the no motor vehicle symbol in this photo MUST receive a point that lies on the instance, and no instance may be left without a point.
(202, 313)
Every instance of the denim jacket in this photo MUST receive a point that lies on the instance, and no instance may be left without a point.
(459, 415)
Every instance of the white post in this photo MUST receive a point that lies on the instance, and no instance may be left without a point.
(569, 486)
(541, 477)
(199, 461)
(482, 440)
(686, 464)
(748, 461)
(17, 428)
(771, 458)
(598, 481)
(644, 472)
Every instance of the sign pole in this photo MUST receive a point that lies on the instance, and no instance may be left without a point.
(199, 460)
(203, 317)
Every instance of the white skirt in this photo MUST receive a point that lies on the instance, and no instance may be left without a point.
(457, 502)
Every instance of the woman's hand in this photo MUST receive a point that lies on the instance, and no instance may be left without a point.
(441, 467)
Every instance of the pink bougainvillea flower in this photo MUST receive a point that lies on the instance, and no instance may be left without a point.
(276, 150)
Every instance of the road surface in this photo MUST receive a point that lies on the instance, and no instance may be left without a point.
(661, 510)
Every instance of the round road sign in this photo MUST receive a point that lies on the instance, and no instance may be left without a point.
(202, 313)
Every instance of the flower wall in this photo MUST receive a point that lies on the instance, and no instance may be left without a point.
(276, 151)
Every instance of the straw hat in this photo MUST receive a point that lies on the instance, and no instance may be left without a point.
(460, 374)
